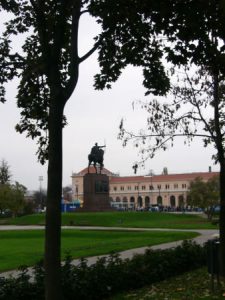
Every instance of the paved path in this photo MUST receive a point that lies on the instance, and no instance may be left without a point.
(204, 236)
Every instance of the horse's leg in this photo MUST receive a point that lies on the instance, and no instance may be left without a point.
(89, 162)
(94, 164)
(89, 166)
(102, 165)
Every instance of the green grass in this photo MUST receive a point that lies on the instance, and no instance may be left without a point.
(193, 285)
(26, 247)
(121, 219)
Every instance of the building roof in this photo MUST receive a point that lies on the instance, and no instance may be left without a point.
(155, 178)
(164, 178)
(92, 170)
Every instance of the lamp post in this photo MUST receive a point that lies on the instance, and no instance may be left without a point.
(159, 198)
(138, 198)
(77, 192)
(151, 173)
(151, 176)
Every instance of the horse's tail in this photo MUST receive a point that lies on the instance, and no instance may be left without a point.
(90, 158)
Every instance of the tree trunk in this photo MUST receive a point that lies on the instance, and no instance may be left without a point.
(209, 215)
(53, 212)
(222, 219)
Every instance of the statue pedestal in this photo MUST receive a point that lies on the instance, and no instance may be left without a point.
(96, 192)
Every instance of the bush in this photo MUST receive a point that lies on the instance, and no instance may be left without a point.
(22, 287)
(108, 275)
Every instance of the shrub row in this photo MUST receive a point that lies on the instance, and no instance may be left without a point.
(108, 275)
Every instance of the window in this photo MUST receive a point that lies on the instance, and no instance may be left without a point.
(122, 188)
(167, 186)
(159, 186)
(136, 187)
(129, 188)
(114, 188)
(184, 186)
(151, 187)
(175, 185)
(101, 186)
(143, 187)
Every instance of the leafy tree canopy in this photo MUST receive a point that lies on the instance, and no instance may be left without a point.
(48, 52)
(17, 201)
(12, 197)
(204, 194)
(190, 35)
(5, 174)
(176, 31)
(146, 35)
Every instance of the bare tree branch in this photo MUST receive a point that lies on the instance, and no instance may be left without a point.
(89, 53)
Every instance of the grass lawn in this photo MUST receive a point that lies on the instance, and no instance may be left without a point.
(26, 247)
(121, 219)
(194, 285)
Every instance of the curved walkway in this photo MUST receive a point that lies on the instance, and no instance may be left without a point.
(204, 236)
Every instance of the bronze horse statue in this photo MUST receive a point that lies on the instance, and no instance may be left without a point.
(95, 158)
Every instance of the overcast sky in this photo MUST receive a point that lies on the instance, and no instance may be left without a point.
(94, 116)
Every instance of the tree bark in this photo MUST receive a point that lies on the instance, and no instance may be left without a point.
(221, 159)
(222, 220)
(53, 213)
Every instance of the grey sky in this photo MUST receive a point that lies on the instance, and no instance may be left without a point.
(94, 116)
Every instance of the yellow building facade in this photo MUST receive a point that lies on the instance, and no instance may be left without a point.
(142, 192)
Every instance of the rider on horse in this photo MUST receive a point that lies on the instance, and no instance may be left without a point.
(96, 156)
(96, 152)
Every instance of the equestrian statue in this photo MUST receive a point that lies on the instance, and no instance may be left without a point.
(95, 158)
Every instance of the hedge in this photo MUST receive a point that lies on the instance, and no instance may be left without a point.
(108, 276)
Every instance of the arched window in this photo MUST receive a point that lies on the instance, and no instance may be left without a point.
(117, 199)
(181, 201)
(159, 200)
(140, 201)
(172, 201)
(132, 200)
(147, 201)
(125, 199)
(131, 205)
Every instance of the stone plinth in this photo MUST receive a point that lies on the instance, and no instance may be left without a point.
(96, 192)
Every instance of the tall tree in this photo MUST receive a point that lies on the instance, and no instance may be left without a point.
(48, 69)
(47, 66)
(12, 197)
(4, 196)
(5, 174)
(197, 35)
(16, 201)
(204, 194)
(40, 198)
(194, 110)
